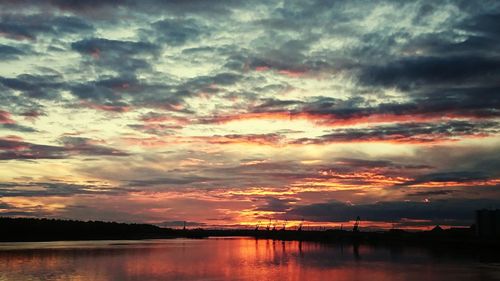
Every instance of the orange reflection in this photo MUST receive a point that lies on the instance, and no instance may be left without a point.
(217, 259)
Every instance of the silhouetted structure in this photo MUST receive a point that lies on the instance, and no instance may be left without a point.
(257, 226)
(284, 225)
(356, 225)
(488, 223)
(27, 229)
(300, 226)
(437, 229)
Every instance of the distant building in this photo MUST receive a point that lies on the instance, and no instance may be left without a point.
(488, 223)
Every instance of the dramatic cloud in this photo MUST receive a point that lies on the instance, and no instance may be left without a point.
(10, 53)
(38, 189)
(29, 27)
(409, 133)
(13, 149)
(451, 211)
(234, 112)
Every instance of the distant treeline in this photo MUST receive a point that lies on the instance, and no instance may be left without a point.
(31, 229)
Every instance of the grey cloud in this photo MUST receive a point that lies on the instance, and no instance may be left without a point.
(105, 8)
(156, 129)
(113, 47)
(35, 86)
(431, 193)
(371, 164)
(180, 224)
(273, 204)
(17, 127)
(484, 24)
(410, 72)
(175, 32)
(20, 150)
(456, 176)
(123, 57)
(452, 211)
(179, 180)
(407, 132)
(10, 53)
(41, 189)
(86, 146)
(30, 26)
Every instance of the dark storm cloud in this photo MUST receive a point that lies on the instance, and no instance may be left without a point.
(453, 102)
(113, 48)
(273, 204)
(31, 26)
(408, 132)
(175, 32)
(455, 74)
(468, 101)
(410, 72)
(128, 90)
(122, 57)
(481, 160)
(100, 92)
(453, 211)
(15, 149)
(35, 86)
(96, 8)
(289, 59)
(76, 5)
(484, 24)
(10, 53)
(118, 93)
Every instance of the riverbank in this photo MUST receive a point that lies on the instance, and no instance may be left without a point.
(28, 229)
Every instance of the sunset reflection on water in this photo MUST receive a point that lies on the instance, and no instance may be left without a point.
(231, 259)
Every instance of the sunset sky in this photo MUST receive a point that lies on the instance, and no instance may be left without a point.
(227, 113)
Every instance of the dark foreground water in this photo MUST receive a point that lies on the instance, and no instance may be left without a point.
(234, 259)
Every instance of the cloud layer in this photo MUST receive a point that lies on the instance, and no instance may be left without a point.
(320, 111)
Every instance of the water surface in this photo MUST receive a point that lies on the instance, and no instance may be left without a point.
(233, 259)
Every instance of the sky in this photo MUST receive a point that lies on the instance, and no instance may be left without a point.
(230, 113)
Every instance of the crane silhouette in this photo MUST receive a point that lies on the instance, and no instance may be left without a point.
(284, 225)
(300, 225)
(356, 225)
(257, 226)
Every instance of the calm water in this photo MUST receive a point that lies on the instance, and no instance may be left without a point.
(233, 259)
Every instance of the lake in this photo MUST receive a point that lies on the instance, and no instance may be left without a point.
(234, 259)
